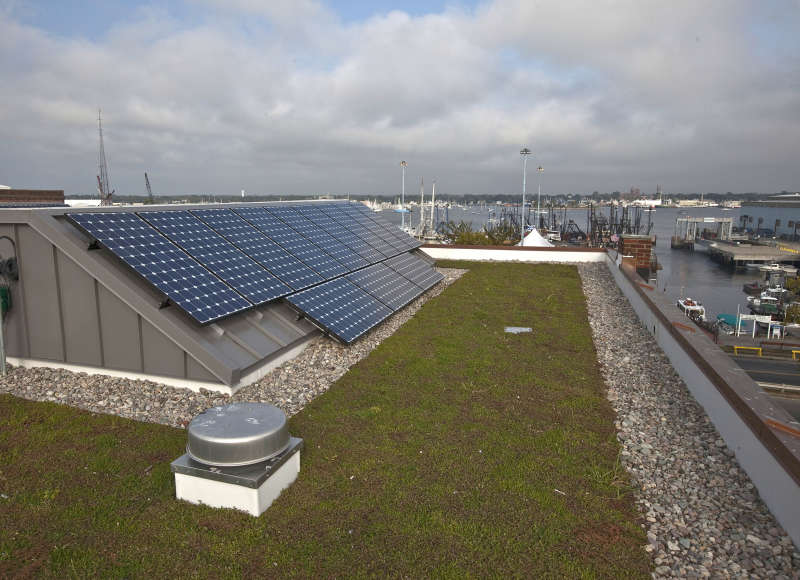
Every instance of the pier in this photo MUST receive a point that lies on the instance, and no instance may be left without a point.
(687, 230)
(738, 254)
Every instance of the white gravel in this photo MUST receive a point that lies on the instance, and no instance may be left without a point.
(703, 516)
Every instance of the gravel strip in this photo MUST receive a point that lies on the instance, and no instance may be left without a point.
(702, 514)
(290, 386)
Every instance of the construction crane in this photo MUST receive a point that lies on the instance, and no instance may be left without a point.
(149, 190)
(103, 186)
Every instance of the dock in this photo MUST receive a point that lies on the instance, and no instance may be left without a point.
(738, 254)
(690, 229)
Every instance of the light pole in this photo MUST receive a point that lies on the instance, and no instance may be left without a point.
(524, 152)
(403, 198)
(539, 170)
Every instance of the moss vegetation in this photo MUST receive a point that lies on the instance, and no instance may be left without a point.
(453, 450)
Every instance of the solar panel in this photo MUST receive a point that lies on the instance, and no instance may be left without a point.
(316, 214)
(415, 269)
(294, 219)
(293, 242)
(260, 248)
(372, 233)
(217, 255)
(364, 217)
(343, 217)
(340, 308)
(386, 285)
(406, 241)
(185, 282)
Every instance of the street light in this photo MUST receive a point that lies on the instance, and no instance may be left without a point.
(540, 170)
(403, 198)
(524, 152)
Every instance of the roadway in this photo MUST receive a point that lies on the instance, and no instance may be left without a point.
(775, 372)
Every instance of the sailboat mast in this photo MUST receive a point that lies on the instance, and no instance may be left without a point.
(433, 201)
(421, 204)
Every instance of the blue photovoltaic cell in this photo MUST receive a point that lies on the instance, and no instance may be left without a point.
(293, 242)
(352, 218)
(405, 241)
(386, 285)
(217, 255)
(365, 220)
(415, 269)
(295, 220)
(428, 279)
(316, 214)
(185, 282)
(343, 217)
(341, 308)
(259, 247)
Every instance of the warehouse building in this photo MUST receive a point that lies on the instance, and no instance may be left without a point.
(777, 215)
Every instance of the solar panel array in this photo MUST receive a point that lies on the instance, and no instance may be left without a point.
(340, 265)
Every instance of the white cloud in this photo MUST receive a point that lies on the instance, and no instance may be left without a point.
(280, 97)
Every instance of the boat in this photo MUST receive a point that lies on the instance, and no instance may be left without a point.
(553, 235)
(763, 305)
(755, 287)
(763, 298)
(779, 268)
(726, 323)
(692, 309)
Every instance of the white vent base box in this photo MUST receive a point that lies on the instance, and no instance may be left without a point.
(250, 488)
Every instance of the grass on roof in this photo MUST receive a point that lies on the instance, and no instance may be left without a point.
(453, 450)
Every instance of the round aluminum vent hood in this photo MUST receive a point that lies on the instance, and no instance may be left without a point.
(237, 434)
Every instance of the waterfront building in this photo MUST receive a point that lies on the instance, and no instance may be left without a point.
(777, 215)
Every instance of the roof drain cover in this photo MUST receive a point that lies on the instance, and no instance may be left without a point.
(518, 329)
(238, 456)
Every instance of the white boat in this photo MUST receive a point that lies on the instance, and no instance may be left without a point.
(692, 309)
(762, 300)
(779, 268)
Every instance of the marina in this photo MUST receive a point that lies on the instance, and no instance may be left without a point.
(681, 272)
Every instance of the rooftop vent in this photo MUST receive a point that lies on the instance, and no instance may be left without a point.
(238, 456)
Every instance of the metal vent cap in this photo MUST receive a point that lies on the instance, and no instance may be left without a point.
(237, 434)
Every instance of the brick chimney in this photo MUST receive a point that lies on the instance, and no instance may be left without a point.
(636, 250)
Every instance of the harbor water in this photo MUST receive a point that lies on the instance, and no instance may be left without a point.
(689, 273)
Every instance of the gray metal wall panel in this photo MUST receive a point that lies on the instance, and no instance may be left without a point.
(120, 328)
(161, 355)
(196, 371)
(16, 340)
(79, 308)
(37, 274)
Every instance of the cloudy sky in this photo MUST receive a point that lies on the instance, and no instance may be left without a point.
(304, 96)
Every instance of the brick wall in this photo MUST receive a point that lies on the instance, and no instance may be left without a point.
(639, 248)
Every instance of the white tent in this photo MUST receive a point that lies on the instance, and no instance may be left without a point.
(535, 239)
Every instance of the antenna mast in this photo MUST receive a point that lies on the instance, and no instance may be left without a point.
(103, 187)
